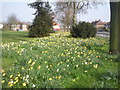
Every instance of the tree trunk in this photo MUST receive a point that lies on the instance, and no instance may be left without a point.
(74, 13)
(119, 28)
(114, 27)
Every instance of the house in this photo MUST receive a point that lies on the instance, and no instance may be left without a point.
(56, 26)
(101, 25)
(1, 26)
(20, 26)
(107, 26)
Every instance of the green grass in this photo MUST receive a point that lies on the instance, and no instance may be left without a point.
(58, 61)
(14, 36)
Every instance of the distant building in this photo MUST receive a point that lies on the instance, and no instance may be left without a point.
(100, 24)
(1, 25)
(20, 26)
(56, 26)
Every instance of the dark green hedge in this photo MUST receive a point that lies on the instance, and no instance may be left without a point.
(83, 30)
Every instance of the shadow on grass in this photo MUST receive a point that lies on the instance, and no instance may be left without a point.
(107, 79)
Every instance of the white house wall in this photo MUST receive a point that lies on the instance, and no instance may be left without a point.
(1, 26)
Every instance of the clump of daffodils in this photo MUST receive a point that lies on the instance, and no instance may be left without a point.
(95, 66)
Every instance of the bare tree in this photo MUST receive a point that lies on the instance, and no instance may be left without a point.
(12, 20)
(67, 11)
(64, 14)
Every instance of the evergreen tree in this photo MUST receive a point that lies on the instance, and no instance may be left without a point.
(42, 24)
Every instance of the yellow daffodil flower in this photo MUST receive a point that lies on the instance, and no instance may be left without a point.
(50, 79)
(3, 81)
(11, 76)
(39, 67)
(4, 74)
(24, 84)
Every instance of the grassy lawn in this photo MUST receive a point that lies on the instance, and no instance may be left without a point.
(10, 36)
(57, 61)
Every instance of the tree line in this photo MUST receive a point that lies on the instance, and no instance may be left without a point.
(67, 13)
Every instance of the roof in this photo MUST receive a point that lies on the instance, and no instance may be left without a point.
(55, 23)
(101, 23)
(24, 23)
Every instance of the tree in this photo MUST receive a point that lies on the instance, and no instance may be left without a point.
(42, 24)
(114, 24)
(12, 21)
(119, 27)
(83, 30)
(64, 14)
(68, 10)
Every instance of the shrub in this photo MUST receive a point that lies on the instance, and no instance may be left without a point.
(83, 30)
(107, 29)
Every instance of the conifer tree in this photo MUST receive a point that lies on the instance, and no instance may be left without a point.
(42, 24)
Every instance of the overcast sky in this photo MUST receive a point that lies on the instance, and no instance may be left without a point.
(24, 12)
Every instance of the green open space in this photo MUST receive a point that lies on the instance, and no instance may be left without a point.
(57, 61)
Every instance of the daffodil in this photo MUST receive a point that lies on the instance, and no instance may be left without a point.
(61, 62)
(14, 82)
(45, 62)
(11, 76)
(67, 65)
(10, 82)
(22, 68)
(90, 62)
(39, 67)
(31, 68)
(4, 74)
(3, 71)
(46, 51)
(16, 78)
(95, 66)
(50, 79)
(47, 66)
(78, 55)
(86, 63)
(27, 76)
(3, 81)
(59, 77)
(11, 85)
(24, 84)
(18, 75)
(29, 61)
(68, 60)
(73, 80)
(50, 65)
(77, 65)
(33, 85)
(32, 63)
(58, 64)
(57, 70)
